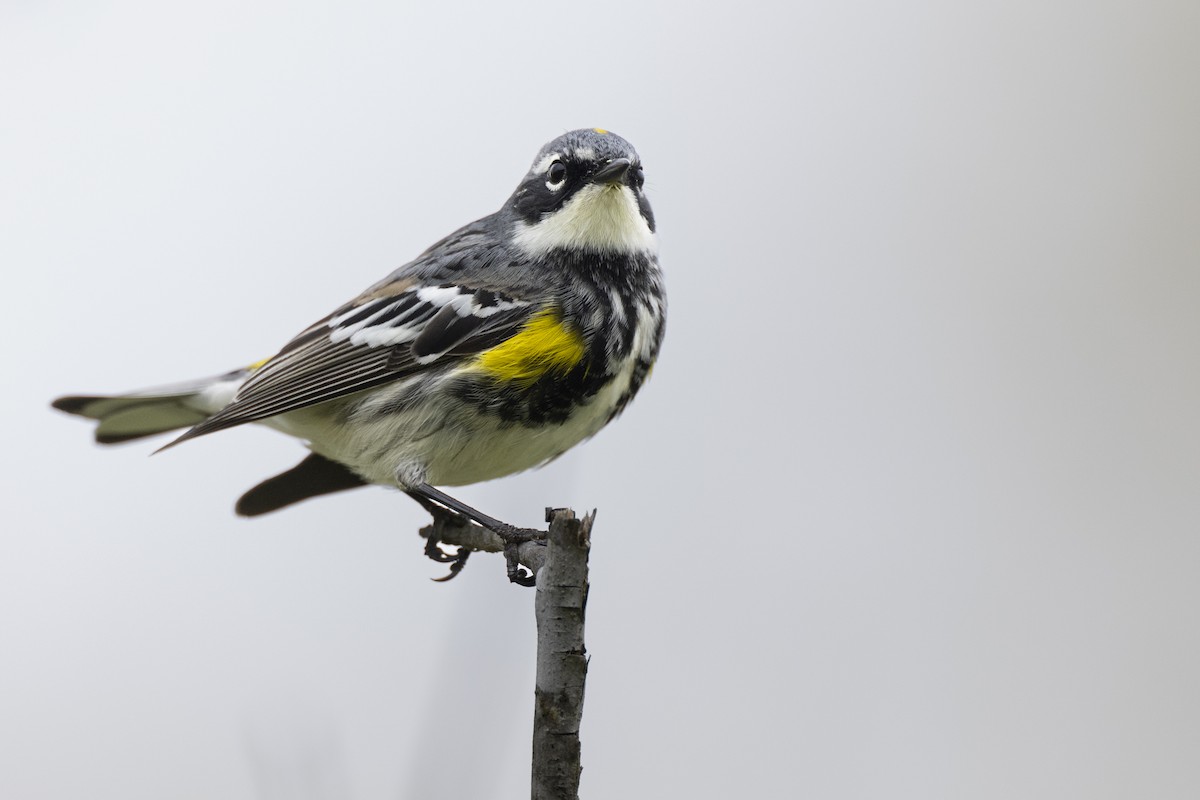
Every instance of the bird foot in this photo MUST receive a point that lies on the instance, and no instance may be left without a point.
(513, 538)
(457, 560)
(442, 519)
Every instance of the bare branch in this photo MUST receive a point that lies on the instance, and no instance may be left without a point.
(559, 605)
(562, 587)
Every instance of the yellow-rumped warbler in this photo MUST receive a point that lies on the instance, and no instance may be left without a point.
(497, 349)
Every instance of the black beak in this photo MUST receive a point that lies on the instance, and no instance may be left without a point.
(612, 172)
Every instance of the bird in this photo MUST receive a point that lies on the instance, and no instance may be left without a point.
(494, 351)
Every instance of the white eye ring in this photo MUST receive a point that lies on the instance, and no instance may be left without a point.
(556, 176)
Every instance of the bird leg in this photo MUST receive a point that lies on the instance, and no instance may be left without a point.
(438, 503)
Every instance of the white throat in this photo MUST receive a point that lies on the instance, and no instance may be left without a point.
(601, 218)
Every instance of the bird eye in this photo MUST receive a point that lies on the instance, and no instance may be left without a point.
(556, 174)
(639, 177)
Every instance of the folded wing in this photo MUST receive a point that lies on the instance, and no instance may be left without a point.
(388, 334)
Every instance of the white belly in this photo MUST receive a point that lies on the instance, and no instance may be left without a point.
(447, 443)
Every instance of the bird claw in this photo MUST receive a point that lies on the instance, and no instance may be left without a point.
(457, 560)
(517, 574)
(513, 539)
(435, 552)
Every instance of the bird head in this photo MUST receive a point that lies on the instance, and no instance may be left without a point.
(584, 192)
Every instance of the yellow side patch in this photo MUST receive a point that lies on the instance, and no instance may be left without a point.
(601, 131)
(257, 364)
(543, 345)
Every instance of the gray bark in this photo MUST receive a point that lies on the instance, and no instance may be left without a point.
(559, 606)
(562, 588)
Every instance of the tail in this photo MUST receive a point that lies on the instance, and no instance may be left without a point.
(124, 417)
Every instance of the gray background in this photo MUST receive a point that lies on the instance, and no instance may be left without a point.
(909, 508)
